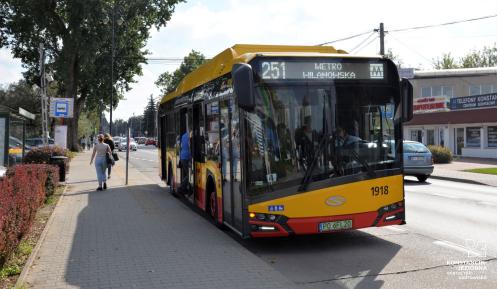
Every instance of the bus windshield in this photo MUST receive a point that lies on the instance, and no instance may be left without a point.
(320, 132)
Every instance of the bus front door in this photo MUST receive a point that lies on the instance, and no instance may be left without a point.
(230, 165)
(198, 154)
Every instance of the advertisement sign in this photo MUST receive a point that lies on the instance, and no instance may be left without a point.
(492, 136)
(430, 104)
(61, 107)
(60, 135)
(473, 136)
(475, 101)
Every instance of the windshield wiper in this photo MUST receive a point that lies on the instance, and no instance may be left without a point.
(364, 163)
(308, 173)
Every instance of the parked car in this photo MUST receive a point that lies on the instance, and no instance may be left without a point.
(151, 141)
(117, 140)
(132, 145)
(15, 149)
(140, 140)
(38, 142)
(418, 160)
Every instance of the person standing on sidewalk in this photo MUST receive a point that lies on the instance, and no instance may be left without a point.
(101, 150)
(108, 140)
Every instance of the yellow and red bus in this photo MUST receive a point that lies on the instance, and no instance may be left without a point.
(288, 140)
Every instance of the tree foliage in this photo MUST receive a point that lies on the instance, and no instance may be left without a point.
(168, 81)
(487, 57)
(149, 115)
(394, 57)
(78, 43)
(21, 94)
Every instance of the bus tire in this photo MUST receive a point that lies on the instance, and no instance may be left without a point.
(211, 204)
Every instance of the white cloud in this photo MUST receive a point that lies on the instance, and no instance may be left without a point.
(10, 68)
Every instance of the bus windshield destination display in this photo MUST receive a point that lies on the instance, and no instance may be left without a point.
(292, 70)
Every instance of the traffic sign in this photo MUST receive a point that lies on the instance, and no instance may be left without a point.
(62, 107)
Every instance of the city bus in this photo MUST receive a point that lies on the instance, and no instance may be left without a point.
(275, 140)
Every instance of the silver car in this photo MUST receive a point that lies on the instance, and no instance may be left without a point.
(418, 161)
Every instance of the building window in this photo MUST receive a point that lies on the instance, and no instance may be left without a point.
(474, 90)
(447, 91)
(477, 89)
(430, 137)
(492, 136)
(425, 91)
(437, 90)
(473, 137)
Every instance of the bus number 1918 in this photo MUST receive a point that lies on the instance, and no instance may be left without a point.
(379, 190)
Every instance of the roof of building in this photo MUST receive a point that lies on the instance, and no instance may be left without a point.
(222, 63)
(455, 72)
(456, 117)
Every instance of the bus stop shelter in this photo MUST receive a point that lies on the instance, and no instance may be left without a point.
(13, 135)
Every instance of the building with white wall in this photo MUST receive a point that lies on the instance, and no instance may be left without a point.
(456, 108)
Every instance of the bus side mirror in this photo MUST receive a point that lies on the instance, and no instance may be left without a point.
(407, 99)
(243, 83)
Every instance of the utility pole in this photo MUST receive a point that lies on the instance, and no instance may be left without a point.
(382, 39)
(112, 66)
(44, 98)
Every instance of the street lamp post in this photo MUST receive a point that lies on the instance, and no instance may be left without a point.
(119, 22)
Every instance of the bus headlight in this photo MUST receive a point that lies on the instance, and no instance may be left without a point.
(263, 217)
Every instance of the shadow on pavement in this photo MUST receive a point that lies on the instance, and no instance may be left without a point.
(142, 237)
(328, 261)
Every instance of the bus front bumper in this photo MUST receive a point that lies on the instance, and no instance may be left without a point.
(283, 226)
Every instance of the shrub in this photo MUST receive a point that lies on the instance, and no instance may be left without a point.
(22, 191)
(42, 155)
(441, 155)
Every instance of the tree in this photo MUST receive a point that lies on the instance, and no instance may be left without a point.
(447, 62)
(168, 81)
(135, 123)
(487, 57)
(149, 115)
(77, 42)
(395, 58)
(20, 94)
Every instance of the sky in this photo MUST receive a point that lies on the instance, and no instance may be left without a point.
(210, 26)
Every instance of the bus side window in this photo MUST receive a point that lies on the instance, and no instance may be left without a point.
(212, 131)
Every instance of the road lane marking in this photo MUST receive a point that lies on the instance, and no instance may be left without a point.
(457, 247)
(488, 203)
(396, 229)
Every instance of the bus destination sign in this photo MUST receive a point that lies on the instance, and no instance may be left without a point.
(320, 70)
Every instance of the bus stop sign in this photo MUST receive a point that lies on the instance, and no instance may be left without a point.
(61, 107)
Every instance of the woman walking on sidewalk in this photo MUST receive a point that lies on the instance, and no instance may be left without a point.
(108, 140)
(101, 150)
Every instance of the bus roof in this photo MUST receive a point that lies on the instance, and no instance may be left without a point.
(222, 63)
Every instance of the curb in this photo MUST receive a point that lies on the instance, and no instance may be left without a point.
(29, 262)
(458, 180)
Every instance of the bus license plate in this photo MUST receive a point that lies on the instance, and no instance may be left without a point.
(335, 225)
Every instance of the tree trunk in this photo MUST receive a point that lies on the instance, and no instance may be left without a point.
(71, 92)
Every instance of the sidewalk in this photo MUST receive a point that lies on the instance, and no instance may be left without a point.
(454, 171)
(138, 236)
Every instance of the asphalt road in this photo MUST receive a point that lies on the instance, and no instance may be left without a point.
(449, 242)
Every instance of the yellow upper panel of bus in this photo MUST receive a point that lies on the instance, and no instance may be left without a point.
(222, 63)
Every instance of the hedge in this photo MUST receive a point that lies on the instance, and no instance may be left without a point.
(23, 190)
(440, 154)
(42, 155)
